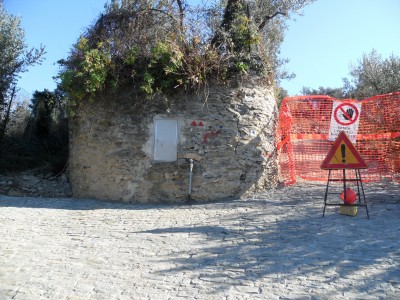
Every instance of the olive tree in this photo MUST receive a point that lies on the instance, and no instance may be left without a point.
(337, 93)
(44, 104)
(373, 75)
(15, 58)
(164, 45)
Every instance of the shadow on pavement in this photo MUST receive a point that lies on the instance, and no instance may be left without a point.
(295, 244)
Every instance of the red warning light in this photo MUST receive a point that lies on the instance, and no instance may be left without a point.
(351, 196)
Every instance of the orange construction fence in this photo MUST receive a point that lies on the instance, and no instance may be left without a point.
(302, 137)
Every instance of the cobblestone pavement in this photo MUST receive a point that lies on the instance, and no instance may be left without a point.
(273, 246)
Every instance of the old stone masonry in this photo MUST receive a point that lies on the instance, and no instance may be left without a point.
(275, 245)
(120, 152)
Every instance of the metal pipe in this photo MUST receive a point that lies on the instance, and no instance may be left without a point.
(190, 178)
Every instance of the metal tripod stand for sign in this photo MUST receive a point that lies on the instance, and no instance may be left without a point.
(360, 190)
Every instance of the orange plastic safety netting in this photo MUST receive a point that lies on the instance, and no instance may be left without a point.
(303, 129)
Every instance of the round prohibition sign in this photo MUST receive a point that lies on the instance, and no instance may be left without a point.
(349, 118)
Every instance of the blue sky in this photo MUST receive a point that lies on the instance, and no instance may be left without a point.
(331, 34)
(320, 44)
(57, 25)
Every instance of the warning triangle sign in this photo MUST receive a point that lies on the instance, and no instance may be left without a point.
(343, 155)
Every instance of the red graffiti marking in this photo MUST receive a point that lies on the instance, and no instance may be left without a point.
(211, 134)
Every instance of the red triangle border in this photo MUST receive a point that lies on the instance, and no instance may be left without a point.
(342, 137)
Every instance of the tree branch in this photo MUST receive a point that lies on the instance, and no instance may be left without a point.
(7, 117)
(162, 12)
(267, 18)
(181, 13)
(127, 14)
(229, 14)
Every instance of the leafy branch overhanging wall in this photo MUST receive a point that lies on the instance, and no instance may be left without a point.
(164, 45)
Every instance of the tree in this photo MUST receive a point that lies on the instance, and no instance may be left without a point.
(159, 46)
(5, 115)
(256, 29)
(20, 115)
(280, 94)
(14, 58)
(337, 93)
(43, 106)
(373, 75)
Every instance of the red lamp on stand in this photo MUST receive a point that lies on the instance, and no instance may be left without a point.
(351, 196)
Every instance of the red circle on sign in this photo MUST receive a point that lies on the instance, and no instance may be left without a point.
(351, 120)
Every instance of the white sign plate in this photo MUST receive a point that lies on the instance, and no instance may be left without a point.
(345, 117)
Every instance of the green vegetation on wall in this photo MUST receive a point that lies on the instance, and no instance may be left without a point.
(160, 46)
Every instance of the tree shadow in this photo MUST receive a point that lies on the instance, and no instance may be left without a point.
(261, 246)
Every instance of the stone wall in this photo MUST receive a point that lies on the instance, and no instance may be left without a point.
(228, 131)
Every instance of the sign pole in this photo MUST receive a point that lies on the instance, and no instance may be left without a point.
(362, 190)
(326, 193)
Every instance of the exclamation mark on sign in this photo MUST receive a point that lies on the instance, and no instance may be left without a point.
(343, 148)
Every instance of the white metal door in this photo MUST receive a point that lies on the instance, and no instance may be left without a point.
(166, 140)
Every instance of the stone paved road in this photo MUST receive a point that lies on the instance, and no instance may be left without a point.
(274, 246)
